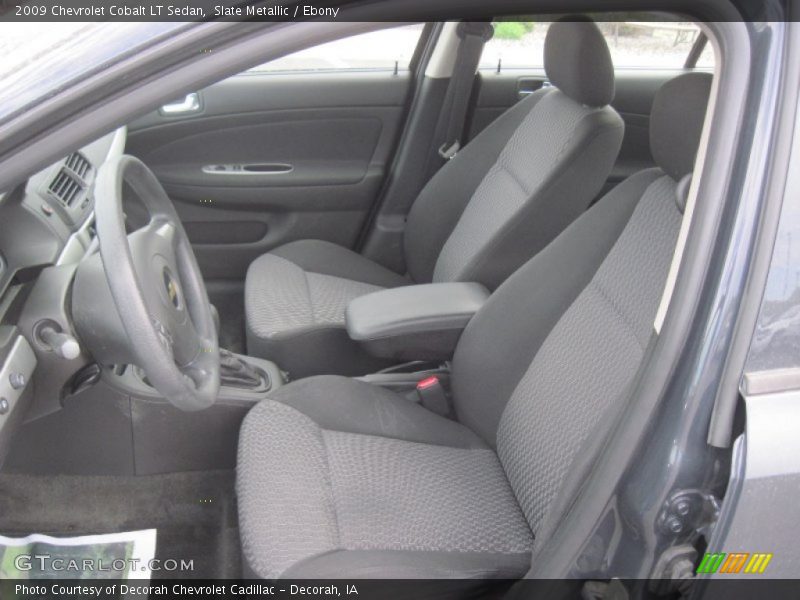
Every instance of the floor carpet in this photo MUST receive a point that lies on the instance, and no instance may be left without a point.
(194, 513)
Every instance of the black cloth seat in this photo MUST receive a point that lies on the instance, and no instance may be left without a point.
(340, 478)
(499, 201)
(441, 476)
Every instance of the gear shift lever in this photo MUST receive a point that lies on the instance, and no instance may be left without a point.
(236, 372)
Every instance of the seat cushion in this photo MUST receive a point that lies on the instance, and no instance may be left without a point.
(295, 299)
(352, 406)
(284, 299)
(318, 498)
(319, 256)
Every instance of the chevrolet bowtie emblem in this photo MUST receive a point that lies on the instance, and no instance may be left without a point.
(172, 289)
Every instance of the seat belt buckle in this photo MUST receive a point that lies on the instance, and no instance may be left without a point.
(449, 151)
(432, 395)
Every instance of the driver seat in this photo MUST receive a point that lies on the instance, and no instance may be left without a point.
(502, 199)
(340, 478)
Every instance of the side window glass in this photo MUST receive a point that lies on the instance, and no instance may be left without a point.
(515, 45)
(706, 59)
(650, 44)
(373, 51)
(633, 44)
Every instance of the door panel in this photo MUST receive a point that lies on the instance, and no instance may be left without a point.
(635, 90)
(269, 158)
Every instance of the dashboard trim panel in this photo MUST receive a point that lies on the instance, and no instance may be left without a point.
(77, 244)
(21, 361)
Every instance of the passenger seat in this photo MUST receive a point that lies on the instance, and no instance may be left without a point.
(502, 199)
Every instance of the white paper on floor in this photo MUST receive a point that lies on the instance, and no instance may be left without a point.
(125, 555)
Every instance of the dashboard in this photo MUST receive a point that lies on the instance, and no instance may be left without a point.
(46, 228)
(39, 219)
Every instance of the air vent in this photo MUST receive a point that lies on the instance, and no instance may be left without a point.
(65, 187)
(77, 163)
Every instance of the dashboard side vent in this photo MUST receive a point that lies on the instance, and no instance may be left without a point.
(65, 187)
(77, 163)
(71, 180)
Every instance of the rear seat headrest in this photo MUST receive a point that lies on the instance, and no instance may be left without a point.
(676, 122)
(577, 61)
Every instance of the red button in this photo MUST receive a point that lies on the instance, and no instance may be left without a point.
(428, 382)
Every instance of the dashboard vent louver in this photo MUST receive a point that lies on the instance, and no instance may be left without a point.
(78, 164)
(70, 181)
(65, 187)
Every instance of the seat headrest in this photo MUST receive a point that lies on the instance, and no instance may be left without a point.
(577, 61)
(676, 122)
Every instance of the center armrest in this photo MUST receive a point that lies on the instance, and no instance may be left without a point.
(416, 322)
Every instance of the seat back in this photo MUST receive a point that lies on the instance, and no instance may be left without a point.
(559, 343)
(527, 176)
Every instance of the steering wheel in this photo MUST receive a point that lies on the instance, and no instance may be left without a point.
(157, 288)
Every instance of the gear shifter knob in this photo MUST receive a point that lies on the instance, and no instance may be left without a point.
(236, 372)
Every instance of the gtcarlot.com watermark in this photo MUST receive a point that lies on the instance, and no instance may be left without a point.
(54, 564)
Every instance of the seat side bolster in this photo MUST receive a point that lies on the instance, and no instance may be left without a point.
(286, 507)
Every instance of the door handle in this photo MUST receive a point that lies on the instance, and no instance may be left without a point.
(249, 169)
(189, 104)
(526, 86)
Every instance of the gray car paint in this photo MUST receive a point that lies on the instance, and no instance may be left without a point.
(761, 511)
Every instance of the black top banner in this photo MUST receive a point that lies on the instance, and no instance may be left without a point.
(377, 10)
(161, 10)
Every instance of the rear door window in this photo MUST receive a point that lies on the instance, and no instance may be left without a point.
(519, 44)
(382, 50)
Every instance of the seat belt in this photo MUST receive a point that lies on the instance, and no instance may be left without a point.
(473, 37)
